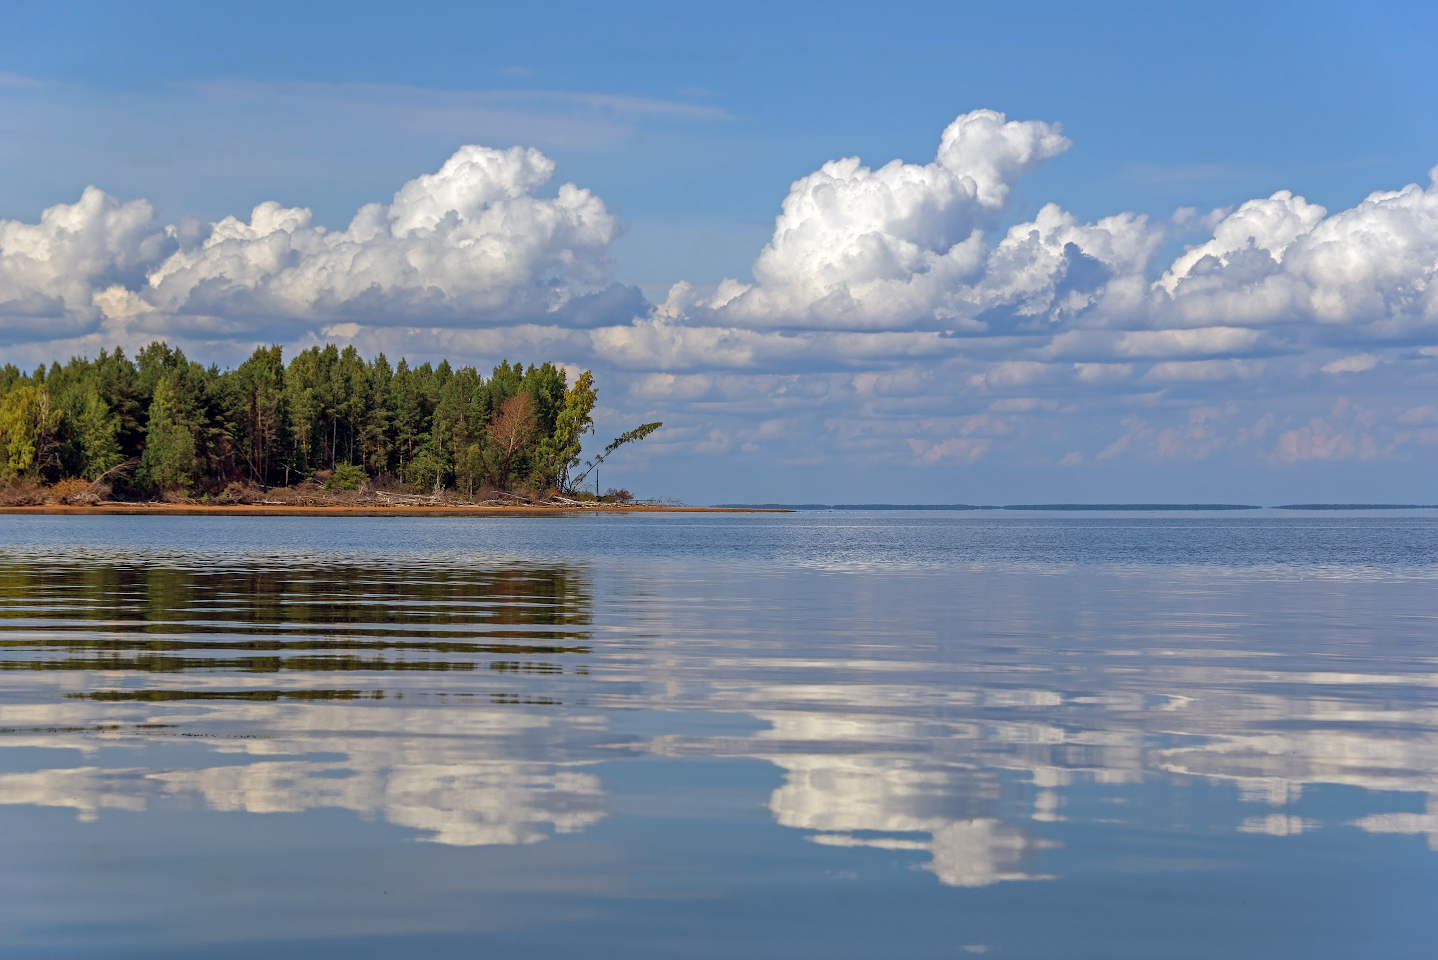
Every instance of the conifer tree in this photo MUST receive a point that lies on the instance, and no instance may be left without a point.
(169, 458)
(99, 435)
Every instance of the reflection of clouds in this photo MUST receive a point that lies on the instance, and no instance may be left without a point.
(1274, 766)
(1407, 823)
(838, 792)
(457, 775)
(966, 853)
(1277, 825)
(86, 789)
(890, 734)
(483, 802)
(495, 802)
(839, 796)
(874, 764)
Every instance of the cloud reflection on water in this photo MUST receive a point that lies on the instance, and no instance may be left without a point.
(901, 734)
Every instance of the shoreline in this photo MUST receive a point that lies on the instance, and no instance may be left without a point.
(346, 510)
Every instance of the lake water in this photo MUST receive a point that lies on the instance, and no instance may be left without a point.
(803, 735)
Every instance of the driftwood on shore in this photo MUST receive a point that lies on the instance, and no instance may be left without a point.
(316, 507)
(26, 492)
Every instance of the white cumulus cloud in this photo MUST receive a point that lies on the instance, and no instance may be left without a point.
(470, 245)
(896, 316)
(50, 271)
(858, 247)
(471, 238)
(1283, 260)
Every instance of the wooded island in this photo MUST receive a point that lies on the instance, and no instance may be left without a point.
(161, 426)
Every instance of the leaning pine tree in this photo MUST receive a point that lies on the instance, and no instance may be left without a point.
(638, 433)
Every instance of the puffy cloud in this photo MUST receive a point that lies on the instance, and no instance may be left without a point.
(1056, 269)
(469, 245)
(1321, 440)
(902, 269)
(471, 239)
(1269, 225)
(891, 306)
(1282, 260)
(857, 247)
(52, 271)
(959, 448)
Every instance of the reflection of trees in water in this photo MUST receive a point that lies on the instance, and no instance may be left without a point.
(294, 607)
(298, 593)
(463, 767)
(164, 663)
(892, 751)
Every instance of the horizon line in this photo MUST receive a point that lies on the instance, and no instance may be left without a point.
(1155, 507)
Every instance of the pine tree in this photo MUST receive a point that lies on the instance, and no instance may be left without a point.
(261, 382)
(169, 458)
(99, 435)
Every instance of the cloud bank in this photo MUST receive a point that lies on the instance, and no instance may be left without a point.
(470, 244)
(892, 318)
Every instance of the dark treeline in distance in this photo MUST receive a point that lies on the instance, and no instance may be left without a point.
(162, 422)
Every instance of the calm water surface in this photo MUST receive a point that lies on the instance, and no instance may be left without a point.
(804, 735)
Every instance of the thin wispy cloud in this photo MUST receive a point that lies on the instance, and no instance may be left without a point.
(443, 105)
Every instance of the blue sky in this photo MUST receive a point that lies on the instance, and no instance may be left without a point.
(961, 377)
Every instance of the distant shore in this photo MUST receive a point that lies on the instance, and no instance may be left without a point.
(1081, 507)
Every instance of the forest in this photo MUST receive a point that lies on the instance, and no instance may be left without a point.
(161, 422)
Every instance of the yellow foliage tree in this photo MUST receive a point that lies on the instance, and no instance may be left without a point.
(27, 431)
(560, 453)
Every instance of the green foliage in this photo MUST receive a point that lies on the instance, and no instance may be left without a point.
(27, 428)
(168, 462)
(638, 433)
(559, 452)
(257, 396)
(99, 434)
(469, 467)
(545, 385)
(425, 471)
(17, 431)
(347, 476)
(269, 422)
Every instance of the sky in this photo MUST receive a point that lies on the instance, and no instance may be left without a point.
(931, 253)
